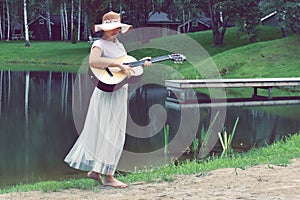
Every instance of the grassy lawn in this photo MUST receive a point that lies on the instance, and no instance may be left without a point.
(278, 58)
(53, 55)
(64, 53)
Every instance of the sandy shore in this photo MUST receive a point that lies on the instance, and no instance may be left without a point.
(259, 182)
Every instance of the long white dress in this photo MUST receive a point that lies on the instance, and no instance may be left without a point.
(101, 142)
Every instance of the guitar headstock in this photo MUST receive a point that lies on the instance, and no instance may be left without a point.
(177, 58)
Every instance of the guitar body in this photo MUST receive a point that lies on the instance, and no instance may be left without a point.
(104, 81)
(113, 78)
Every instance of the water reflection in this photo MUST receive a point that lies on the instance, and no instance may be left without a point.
(36, 125)
(37, 128)
(257, 128)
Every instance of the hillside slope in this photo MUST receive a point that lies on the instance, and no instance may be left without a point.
(277, 58)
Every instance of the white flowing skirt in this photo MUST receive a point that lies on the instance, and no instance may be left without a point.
(101, 141)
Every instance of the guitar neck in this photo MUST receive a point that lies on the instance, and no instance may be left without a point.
(153, 60)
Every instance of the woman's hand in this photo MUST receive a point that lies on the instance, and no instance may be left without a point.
(126, 69)
(147, 62)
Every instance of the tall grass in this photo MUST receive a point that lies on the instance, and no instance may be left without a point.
(166, 140)
(226, 139)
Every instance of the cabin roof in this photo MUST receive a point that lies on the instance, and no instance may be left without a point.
(161, 17)
(40, 17)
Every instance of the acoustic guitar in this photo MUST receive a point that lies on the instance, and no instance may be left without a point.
(113, 78)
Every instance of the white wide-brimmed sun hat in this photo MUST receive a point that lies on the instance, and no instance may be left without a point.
(110, 21)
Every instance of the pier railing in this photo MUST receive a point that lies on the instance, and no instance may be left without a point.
(181, 92)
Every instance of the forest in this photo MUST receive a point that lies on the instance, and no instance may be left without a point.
(75, 17)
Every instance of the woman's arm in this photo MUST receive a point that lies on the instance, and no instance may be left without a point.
(95, 60)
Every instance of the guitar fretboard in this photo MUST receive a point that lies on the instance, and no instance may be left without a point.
(153, 60)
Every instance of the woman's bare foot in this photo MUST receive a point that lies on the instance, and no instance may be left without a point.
(112, 182)
(96, 176)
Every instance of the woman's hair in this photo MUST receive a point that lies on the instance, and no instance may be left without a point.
(98, 34)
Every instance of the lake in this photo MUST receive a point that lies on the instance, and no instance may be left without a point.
(42, 113)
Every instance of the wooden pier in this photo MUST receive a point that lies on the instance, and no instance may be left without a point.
(181, 92)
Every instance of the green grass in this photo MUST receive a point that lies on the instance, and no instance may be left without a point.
(271, 56)
(65, 56)
(231, 40)
(277, 58)
(56, 56)
(279, 153)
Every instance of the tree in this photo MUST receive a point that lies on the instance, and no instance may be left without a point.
(72, 22)
(245, 14)
(44, 8)
(27, 42)
(218, 26)
(138, 12)
(184, 10)
(1, 33)
(48, 19)
(248, 19)
(92, 11)
(291, 9)
(79, 20)
(86, 28)
(180, 7)
(187, 9)
(8, 20)
(64, 21)
(288, 13)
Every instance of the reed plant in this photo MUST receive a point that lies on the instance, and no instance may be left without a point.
(166, 140)
(226, 139)
(205, 136)
(195, 147)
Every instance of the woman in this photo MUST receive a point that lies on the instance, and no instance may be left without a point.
(100, 144)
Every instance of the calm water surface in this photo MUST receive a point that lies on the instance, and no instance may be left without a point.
(37, 128)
